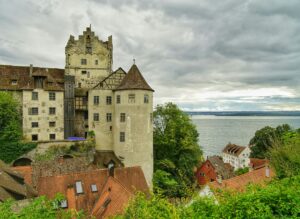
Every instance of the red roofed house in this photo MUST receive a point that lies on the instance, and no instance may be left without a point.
(213, 168)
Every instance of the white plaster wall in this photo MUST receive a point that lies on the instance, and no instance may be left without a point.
(137, 150)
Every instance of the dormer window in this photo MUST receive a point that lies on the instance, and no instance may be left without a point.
(78, 187)
(14, 82)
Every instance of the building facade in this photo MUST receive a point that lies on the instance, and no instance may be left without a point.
(87, 96)
(237, 156)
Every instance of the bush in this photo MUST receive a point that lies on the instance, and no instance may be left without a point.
(12, 150)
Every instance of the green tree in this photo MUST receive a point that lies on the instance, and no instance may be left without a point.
(264, 139)
(285, 155)
(10, 119)
(11, 146)
(176, 151)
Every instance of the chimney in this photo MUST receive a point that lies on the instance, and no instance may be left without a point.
(267, 171)
(30, 70)
(219, 179)
(111, 169)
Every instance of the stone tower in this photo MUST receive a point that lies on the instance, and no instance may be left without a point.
(88, 59)
(133, 126)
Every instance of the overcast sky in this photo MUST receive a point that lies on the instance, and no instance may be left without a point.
(202, 55)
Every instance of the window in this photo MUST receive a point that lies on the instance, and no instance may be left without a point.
(88, 49)
(94, 188)
(52, 124)
(81, 103)
(96, 100)
(34, 137)
(118, 99)
(110, 128)
(34, 125)
(52, 110)
(79, 85)
(96, 116)
(63, 203)
(146, 98)
(122, 136)
(83, 72)
(131, 98)
(122, 117)
(14, 82)
(96, 62)
(34, 96)
(86, 115)
(83, 61)
(108, 100)
(52, 136)
(108, 117)
(79, 188)
(33, 111)
(51, 96)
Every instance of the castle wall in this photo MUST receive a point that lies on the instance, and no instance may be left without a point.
(43, 118)
(137, 149)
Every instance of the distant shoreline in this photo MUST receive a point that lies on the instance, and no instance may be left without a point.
(246, 113)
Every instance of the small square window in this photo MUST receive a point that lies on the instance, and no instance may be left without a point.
(14, 82)
(96, 100)
(83, 72)
(51, 96)
(34, 125)
(52, 136)
(118, 99)
(122, 136)
(96, 62)
(52, 124)
(94, 188)
(34, 96)
(33, 111)
(108, 100)
(34, 137)
(146, 98)
(108, 117)
(83, 62)
(131, 98)
(79, 188)
(52, 110)
(122, 117)
(96, 117)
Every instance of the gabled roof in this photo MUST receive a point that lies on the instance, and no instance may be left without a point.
(256, 163)
(240, 182)
(233, 149)
(25, 81)
(12, 185)
(112, 81)
(134, 80)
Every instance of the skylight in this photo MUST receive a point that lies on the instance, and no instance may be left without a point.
(79, 189)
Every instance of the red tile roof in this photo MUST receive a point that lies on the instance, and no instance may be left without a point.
(240, 182)
(256, 163)
(113, 199)
(134, 80)
(126, 180)
(26, 172)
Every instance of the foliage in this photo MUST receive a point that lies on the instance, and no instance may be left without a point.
(279, 199)
(285, 155)
(176, 151)
(40, 207)
(14, 149)
(241, 171)
(10, 118)
(264, 139)
(150, 208)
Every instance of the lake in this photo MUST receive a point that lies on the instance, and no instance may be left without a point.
(217, 131)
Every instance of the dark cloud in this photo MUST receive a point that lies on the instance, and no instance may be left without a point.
(215, 55)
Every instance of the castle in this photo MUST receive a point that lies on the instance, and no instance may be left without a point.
(87, 96)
